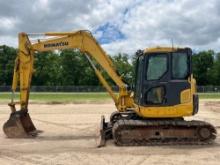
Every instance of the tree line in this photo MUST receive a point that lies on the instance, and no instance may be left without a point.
(70, 67)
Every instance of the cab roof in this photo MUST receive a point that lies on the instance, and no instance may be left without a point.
(159, 49)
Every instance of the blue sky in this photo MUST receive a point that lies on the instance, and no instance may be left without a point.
(108, 33)
(120, 26)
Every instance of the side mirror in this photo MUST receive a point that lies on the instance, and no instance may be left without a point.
(139, 53)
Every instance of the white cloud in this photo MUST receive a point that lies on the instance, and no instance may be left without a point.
(186, 22)
(143, 23)
(9, 40)
(8, 23)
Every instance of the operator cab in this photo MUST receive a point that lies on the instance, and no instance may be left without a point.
(162, 74)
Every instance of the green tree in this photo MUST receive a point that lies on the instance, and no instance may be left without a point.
(217, 68)
(7, 57)
(75, 69)
(202, 64)
(214, 72)
(70, 67)
(47, 69)
(124, 67)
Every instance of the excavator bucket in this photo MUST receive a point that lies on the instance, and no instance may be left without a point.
(104, 133)
(19, 125)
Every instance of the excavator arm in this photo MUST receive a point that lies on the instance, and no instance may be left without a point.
(82, 40)
(23, 71)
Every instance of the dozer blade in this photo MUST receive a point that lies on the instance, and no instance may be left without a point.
(19, 125)
(104, 133)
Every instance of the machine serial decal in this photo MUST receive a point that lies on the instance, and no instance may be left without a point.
(59, 44)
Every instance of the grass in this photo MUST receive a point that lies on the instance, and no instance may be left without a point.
(60, 97)
(209, 95)
(78, 97)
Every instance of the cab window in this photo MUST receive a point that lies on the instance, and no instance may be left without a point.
(155, 95)
(180, 67)
(157, 66)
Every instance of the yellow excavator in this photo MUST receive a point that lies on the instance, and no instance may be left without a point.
(150, 114)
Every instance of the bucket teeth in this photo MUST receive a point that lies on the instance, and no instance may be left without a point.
(19, 125)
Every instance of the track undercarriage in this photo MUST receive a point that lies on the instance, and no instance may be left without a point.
(127, 129)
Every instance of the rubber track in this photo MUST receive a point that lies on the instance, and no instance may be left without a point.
(195, 124)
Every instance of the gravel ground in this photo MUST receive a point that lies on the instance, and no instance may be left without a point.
(68, 138)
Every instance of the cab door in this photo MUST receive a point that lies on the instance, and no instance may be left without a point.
(164, 78)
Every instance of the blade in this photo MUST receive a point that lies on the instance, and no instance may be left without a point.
(104, 133)
(100, 136)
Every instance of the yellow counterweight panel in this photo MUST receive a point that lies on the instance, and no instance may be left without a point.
(185, 96)
(193, 85)
(165, 111)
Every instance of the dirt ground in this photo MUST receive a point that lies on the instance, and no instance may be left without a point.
(69, 132)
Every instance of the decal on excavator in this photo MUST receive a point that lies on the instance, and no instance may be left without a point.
(59, 44)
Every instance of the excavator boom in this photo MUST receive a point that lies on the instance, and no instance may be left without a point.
(20, 123)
